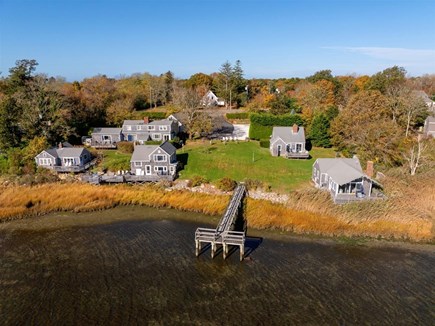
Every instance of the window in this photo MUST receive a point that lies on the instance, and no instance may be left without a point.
(150, 127)
(160, 158)
(45, 161)
(68, 161)
(165, 137)
(139, 127)
(157, 136)
(160, 168)
(137, 163)
(163, 128)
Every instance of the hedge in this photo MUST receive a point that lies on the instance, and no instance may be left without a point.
(155, 115)
(265, 143)
(262, 124)
(235, 116)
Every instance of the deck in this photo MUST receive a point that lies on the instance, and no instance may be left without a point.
(297, 155)
(223, 235)
(73, 168)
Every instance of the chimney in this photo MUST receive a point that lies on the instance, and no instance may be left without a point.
(370, 170)
(60, 145)
(295, 128)
(146, 120)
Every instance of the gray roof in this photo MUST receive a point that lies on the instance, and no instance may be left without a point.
(107, 131)
(133, 122)
(430, 122)
(142, 152)
(341, 170)
(65, 152)
(164, 122)
(145, 135)
(168, 148)
(70, 151)
(287, 135)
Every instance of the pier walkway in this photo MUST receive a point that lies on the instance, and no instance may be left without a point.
(223, 235)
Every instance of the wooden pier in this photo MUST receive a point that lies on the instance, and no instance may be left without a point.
(224, 235)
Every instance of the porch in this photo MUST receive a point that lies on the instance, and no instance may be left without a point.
(103, 144)
(74, 168)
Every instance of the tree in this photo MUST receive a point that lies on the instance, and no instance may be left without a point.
(168, 80)
(282, 104)
(10, 132)
(230, 83)
(21, 73)
(321, 75)
(199, 80)
(319, 131)
(364, 127)
(415, 155)
(188, 102)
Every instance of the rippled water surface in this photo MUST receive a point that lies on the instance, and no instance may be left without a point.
(79, 269)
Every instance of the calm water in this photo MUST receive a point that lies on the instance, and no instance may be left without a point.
(75, 269)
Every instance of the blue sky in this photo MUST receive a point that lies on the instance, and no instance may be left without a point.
(83, 38)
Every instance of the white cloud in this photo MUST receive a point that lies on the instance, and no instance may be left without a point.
(409, 57)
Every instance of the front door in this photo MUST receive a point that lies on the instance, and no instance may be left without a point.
(148, 169)
(279, 150)
(139, 172)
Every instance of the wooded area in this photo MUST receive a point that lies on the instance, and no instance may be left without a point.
(376, 117)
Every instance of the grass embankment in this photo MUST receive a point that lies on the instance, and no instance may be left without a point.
(308, 212)
(247, 160)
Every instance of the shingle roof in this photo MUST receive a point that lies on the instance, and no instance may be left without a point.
(341, 170)
(168, 148)
(287, 135)
(164, 122)
(133, 122)
(107, 130)
(142, 152)
(70, 151)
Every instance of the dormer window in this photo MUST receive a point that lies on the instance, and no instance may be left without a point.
(150, 127)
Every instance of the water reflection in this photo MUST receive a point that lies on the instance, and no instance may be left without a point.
(136, 271)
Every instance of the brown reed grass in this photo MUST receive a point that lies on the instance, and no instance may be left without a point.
(407, 214)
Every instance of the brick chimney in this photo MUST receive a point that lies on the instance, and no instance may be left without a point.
(295, 128)
(60, 145)
(370, 169)
(146, 120)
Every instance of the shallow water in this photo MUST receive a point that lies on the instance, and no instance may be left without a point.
(80, 269)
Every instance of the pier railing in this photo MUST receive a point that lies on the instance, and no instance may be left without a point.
(223, 235)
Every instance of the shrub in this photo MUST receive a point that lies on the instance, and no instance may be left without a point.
(125, 147)
(265, 143)
(262, 124)
(155, 115)
(196, 180)
(235, 116)
(252, 184)
(226, 184)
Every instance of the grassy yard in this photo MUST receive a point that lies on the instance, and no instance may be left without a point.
(247, 160)
(114, 160)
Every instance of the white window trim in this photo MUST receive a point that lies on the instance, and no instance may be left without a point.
(165, 159)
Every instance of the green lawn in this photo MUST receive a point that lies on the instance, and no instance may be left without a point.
(247, 160)
(114, 160)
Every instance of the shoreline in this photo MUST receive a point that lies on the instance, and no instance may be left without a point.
(260, 214)
(136, 213)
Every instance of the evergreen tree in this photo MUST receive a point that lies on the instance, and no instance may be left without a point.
(319, 131)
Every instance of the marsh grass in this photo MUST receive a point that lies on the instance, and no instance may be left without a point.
(308, 211)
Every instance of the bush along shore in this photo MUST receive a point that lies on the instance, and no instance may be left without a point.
(308, 211)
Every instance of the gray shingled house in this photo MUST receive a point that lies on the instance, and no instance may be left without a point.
(154, 162)
(106, 137)
(288, 142)
(142, 130)
(65, 159)
(429, 127)
(343, 178)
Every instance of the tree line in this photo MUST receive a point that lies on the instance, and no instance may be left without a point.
(375, 116)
